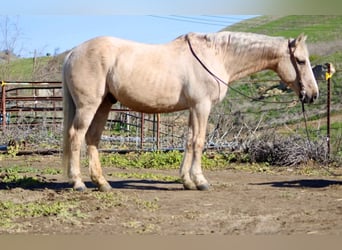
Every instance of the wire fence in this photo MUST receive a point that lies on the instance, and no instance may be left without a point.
(31, 115)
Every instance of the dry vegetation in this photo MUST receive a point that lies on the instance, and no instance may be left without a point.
(237, 121)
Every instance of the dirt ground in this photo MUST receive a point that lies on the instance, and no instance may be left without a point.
(240, 202)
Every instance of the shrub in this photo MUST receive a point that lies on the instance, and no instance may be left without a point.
(286, 151)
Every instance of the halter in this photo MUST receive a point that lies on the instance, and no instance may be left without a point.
(295, 65)
(302, 90)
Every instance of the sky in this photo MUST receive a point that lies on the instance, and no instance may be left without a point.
(42, 34)
(53, 26)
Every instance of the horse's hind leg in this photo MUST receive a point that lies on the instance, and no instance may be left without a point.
(77, 131)
(93, 136)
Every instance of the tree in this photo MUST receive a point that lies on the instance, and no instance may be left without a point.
(9, 37)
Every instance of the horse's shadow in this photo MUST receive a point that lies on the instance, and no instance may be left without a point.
(146, 185)
(122, 184)
(301, 183)
(134, 184)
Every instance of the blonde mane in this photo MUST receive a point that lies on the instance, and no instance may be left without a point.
(243, 43)
(240, 48)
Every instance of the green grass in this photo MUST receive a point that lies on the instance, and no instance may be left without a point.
(167, 160)
(119, 199)
(317, 28)
(25, 176)
(22, 69)
(11, 211)
(155, 159)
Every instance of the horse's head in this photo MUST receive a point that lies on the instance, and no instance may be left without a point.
(295, 70)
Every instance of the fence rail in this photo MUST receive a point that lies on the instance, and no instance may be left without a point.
(39, 104)
(43, 100)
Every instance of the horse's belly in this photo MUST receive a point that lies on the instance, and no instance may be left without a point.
(152, 101)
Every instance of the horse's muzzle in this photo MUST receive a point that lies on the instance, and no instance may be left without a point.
(305, 98)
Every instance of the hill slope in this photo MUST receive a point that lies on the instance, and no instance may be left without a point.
(325, 45)
(324, 32)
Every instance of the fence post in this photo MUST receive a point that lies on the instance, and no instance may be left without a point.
(142, 130)
(3, 105)
(158, 131)
(327, 77)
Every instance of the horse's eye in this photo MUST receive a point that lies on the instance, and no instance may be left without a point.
(300, 62)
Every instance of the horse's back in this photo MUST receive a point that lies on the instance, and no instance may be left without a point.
(144, 77)
(103, 52)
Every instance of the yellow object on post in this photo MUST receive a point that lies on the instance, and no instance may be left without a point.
(327, 75)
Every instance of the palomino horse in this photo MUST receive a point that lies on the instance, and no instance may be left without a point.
(184, 74)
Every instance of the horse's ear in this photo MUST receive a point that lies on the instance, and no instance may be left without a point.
(300, 39)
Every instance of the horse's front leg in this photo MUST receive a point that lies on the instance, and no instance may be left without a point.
(201, 114)
(188, 156)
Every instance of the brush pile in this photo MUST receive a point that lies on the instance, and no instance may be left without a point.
(286, 151)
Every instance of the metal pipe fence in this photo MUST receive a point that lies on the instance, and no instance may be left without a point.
(33, 107)
(30, 105)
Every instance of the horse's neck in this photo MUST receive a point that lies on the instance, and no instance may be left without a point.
(245, 60)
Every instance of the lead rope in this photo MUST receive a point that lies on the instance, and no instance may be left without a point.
(306, 126)
(218, 79)
(310, 144)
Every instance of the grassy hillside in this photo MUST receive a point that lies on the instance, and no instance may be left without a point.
(47, 68)
(324, 33)
(318, 28)
(325, 45)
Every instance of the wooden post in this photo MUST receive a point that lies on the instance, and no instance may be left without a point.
(3, 105)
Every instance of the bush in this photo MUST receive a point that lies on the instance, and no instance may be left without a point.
(287, 151)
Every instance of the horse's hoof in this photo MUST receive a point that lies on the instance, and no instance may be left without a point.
(105, 187)
(203, 187)
(189, 186)
(80, 188)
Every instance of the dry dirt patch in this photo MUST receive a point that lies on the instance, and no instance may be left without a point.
(241, 202)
